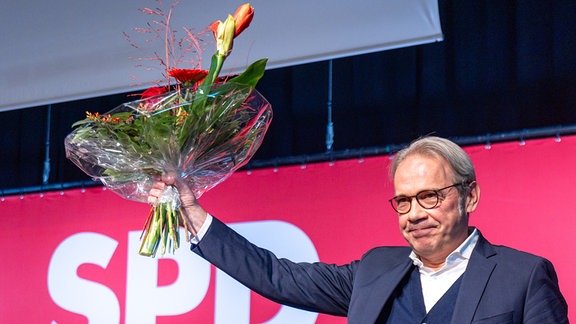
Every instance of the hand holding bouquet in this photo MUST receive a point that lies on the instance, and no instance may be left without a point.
(201, 130)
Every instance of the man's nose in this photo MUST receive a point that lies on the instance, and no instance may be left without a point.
(416, 211)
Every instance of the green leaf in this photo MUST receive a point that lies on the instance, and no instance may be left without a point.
(122, 115)
(81, 122)
(252, 74)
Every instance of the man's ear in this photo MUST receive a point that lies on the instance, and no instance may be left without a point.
(473, 197)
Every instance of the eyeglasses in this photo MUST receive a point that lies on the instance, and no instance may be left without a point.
(428, 199)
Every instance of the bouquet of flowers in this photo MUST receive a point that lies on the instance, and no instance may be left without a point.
(203, 129)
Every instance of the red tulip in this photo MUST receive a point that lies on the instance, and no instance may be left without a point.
(243, 17)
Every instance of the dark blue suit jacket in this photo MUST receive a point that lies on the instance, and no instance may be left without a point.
(500, 285)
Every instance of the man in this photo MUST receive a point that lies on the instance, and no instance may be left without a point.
(449, 274)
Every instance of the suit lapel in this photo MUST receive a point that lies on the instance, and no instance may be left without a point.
(381, 291)
(474, 281)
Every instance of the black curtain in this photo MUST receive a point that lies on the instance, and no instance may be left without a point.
(503, 66)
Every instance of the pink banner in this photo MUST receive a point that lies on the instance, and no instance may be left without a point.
(70, 257)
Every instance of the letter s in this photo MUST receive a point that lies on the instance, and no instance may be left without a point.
(96, 301)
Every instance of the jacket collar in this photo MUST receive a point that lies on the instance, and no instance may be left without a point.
(474, 281)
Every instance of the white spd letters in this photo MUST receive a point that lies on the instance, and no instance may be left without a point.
(72, 293)
(145, 300)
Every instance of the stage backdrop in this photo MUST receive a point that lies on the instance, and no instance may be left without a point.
(70, 257)
(84, 53)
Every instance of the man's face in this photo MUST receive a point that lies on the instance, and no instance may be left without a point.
(432, 233)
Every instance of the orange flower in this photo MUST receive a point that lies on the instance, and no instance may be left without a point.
(225, 32)
(188, 76)
(92, 116)
(107, 118)
(182, 114)
(243, 17)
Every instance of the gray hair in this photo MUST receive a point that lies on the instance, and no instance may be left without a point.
(439, 148)
(444, 149)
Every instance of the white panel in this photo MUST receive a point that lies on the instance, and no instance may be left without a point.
(60, 50)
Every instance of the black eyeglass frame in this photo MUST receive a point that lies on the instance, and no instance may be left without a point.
(437, 192)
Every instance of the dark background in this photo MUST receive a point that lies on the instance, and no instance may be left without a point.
(505, 69)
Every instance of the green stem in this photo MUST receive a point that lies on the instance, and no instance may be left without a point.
(215, 68)
(204, 89)
(161, 232)
(152, 234)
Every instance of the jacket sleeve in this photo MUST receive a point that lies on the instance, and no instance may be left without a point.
(544, 301)
(317, 287)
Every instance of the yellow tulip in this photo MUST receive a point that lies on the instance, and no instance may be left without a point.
(225, 32)
(224, 35)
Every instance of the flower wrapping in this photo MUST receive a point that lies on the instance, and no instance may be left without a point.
(128, 146)
(203, 138)
(201, 130)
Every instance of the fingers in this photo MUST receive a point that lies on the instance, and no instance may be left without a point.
(155, 192)
(186, 193)
(169, 178)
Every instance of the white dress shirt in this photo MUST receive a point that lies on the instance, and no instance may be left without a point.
(196, 239)
(436, 283)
